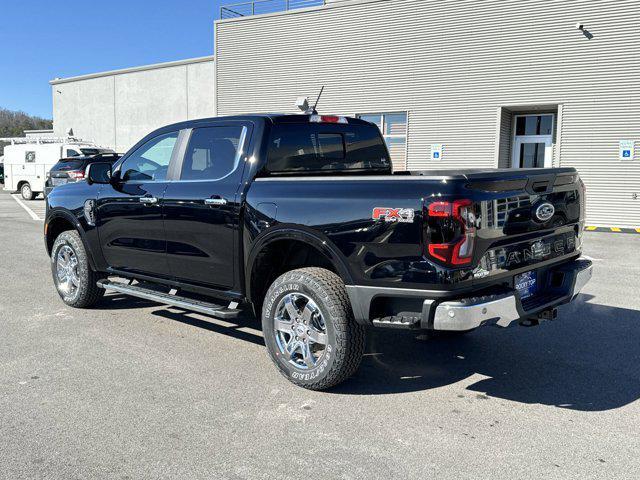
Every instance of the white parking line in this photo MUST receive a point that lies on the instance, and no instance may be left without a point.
(29, 211)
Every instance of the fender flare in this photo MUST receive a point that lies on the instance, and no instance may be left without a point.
(301, 234)
(69, 217)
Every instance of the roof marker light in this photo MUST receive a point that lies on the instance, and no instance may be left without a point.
(327, 119)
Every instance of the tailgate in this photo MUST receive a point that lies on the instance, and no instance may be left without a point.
(510, 221)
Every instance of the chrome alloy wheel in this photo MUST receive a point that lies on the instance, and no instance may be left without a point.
(67, 276)
(301, 333)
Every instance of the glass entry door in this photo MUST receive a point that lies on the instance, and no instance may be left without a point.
(532, 141)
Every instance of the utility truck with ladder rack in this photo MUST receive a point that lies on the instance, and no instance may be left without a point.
(27, 160)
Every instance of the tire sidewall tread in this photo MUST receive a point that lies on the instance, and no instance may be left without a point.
(88, 292)
(27, 197)
(345, 337)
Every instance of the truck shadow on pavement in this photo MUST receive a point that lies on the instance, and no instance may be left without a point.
(588, 359)
(228, 328)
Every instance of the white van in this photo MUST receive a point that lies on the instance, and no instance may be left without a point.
(26, 164)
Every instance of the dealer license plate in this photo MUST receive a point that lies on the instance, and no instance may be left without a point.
(58, 181)
(525, 283)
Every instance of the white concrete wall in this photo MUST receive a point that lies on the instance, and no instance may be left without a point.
(116, 109)
(86, 106)
(201, 90)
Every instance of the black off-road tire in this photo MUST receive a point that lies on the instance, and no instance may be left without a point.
(345, 337)
(87, 292)
(26, 192)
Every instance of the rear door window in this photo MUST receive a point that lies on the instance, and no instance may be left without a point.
(213, 153)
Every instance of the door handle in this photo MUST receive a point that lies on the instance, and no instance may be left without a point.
(148, 200)
(215, 201)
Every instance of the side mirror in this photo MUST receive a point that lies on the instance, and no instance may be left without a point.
(99, 172)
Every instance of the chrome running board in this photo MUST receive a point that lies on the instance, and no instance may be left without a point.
(185, 303)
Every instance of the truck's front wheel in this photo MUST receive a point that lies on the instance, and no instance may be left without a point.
(309, 328)
(75, 282)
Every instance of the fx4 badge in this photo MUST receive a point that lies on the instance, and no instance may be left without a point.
(402, 215)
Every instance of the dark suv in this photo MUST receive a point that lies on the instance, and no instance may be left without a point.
(72, 169)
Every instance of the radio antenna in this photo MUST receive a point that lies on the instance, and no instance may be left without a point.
(314, 111)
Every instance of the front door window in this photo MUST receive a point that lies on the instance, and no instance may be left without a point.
(150, 162)
(533, 141)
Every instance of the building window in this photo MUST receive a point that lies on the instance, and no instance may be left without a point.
(532, 144)
(394, 130)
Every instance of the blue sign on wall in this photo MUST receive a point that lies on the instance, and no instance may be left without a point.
(436, 151)
(626, 149)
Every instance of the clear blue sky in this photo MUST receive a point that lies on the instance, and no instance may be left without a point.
(41, 40)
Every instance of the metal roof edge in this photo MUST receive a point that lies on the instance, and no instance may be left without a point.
(154, 66)
(293, 11)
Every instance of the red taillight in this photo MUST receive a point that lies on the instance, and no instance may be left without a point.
(441, 251)
(327, 119)
(76, 174)
(455, 219)
(440, 209)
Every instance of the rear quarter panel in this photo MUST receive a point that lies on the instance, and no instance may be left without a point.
(339, 210)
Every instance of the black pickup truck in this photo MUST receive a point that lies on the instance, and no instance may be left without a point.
(300, 219)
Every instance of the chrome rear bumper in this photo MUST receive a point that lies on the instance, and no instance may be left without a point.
(469, 313)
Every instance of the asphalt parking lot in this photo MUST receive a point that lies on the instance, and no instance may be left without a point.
(133, 390)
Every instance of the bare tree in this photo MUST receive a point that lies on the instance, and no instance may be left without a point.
(13, 124)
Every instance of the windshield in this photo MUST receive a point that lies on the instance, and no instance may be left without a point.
(326, 148)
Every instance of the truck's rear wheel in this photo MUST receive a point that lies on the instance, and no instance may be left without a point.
(75, 282)
(309, 328)
(26, 192)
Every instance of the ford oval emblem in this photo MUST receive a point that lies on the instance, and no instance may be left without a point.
(545, 211)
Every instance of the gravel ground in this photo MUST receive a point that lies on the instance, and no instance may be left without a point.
(134, 390)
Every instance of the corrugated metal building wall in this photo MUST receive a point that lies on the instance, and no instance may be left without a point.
(461, 69)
